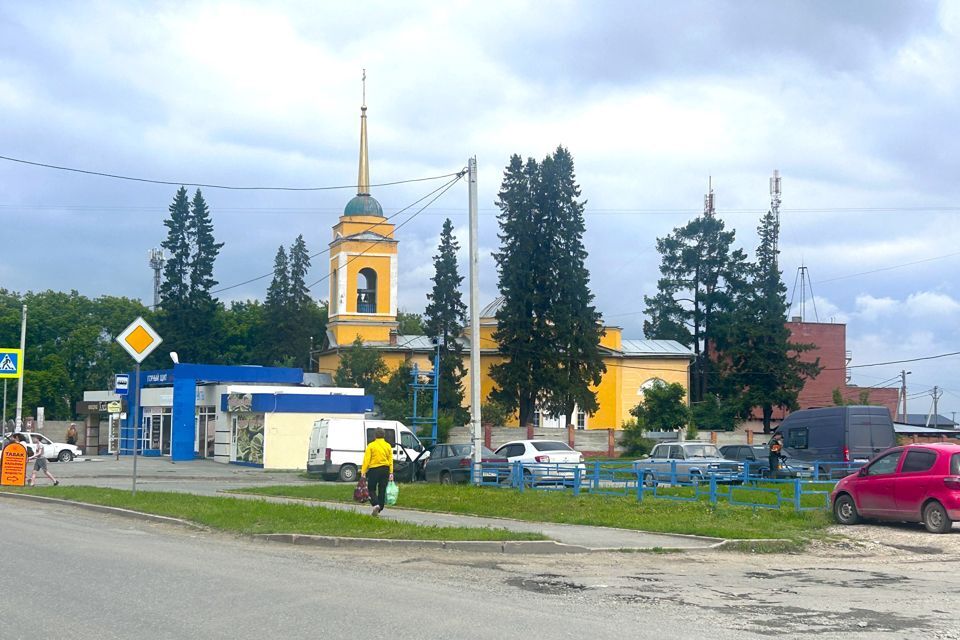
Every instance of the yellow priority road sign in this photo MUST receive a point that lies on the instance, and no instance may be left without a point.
(11, 363)
(139, 339)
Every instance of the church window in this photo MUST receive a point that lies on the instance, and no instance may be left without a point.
(367, 291)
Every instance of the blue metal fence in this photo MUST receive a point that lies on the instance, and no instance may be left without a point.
(747, 488)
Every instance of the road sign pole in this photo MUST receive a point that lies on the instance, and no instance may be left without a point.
(3, 424)
(136, 423)
(23, 346)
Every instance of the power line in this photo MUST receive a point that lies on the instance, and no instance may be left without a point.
(211, 186)
(444, 188)
(896, 266)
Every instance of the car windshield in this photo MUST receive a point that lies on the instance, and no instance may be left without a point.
(702, 451)
(549, 445)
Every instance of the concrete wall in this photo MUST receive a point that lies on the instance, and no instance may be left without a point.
(286, 438)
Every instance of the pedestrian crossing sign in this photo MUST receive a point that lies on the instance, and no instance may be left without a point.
(10, 363)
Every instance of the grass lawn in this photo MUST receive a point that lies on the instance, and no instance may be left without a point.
(258, 516)
(665, 516)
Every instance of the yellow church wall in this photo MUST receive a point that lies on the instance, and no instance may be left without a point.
(608, 415)
(287, 438)
(636, 371)
(352, 225)
(346, 333)
(612, 338)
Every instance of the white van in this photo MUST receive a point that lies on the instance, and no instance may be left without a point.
(337, 445)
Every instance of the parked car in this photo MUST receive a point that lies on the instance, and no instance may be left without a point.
(544, 460)
(449, 463)
(54, 450)
(914, 483)
(837, 434)
(694, 462)
(757, 459)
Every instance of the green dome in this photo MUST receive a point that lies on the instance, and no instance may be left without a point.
(363, 206)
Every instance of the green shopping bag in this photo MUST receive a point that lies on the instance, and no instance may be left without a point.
(393, 491)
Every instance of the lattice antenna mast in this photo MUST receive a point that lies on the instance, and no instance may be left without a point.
(157, 260)
(775, 209)
(708, 209)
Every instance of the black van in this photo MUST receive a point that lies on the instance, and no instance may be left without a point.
(841, 434)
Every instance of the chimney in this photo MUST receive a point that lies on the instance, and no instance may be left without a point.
(393, 337)
(796, 319)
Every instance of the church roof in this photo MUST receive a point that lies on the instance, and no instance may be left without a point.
(363, 205)
(654, 348)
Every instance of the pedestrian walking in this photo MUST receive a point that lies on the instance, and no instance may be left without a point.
(776, 447)
(72, 434)
(40, 463)
(378, 465)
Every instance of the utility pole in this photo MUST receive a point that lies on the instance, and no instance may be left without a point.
(157, 260)
(936, 416)
(23, 346)
(474, 323)
(903, 394)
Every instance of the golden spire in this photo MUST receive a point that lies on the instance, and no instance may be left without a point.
(363, 179)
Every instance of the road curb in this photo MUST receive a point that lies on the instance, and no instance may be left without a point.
(477, 546)
(117, 511)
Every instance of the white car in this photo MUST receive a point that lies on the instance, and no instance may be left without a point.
(544, 460)
(55, 450)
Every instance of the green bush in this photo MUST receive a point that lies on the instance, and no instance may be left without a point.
(633, 440)
(494, 413)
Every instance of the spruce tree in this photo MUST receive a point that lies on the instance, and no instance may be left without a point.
(300, 304)
(445, 315)
(575, 323)
(204, 332)
(276, 311)
(175, 288)
(520, 318)
(760, 362)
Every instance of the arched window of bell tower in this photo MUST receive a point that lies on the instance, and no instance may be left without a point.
(367, 291)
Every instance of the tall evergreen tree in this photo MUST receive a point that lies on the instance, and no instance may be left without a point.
(520, 319)
(574, 320)
(205, 333)
(701, 276)
(760, 361)
(276, 310)
(299, 294)
(445, 315)
(175, 288)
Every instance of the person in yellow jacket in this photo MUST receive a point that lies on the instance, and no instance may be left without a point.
(378, 464)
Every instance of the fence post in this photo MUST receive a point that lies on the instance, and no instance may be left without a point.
(596, 474)
(576, 481)
(713, 489)
(488, 436)
(713, 437)
(570, 440)
(797, 488)
(673, 472)
(518, 474)
(639, 472)
(749, 436)
(530, 431)
(611, 444)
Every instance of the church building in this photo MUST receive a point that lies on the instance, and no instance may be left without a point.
(364, 262)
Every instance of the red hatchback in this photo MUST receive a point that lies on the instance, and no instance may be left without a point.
(915, 483)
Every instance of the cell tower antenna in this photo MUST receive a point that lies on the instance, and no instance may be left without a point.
(775, 209)
(157, 260)
(708, 208)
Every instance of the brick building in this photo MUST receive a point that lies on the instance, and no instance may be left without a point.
(831, 341)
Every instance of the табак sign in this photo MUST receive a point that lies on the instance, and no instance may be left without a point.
(14, 465)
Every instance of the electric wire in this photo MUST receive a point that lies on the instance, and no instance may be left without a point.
(212, 186)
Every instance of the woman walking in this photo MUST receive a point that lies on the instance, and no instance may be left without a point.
(378, 465)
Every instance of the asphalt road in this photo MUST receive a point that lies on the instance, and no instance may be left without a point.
(68, 573)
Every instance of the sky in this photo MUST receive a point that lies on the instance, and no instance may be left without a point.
(855, 103)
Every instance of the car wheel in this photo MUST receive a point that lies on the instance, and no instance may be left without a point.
(65, 456)
(445, 478)
(935, 518)
(348, 473)
(649, 480)
(845, 510)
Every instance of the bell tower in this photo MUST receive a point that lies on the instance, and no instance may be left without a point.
(363, 262)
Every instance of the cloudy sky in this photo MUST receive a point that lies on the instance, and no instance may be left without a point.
(855, 103)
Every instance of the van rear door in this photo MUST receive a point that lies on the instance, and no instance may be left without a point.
(318, 442)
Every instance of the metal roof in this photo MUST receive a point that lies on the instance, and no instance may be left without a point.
(899, 427)
(920, 420)
(669, 348)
